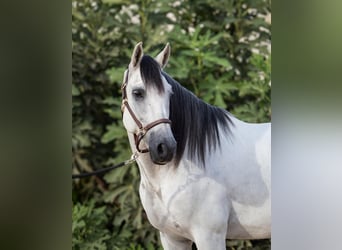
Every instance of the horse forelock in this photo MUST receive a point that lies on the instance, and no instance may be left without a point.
(195, 124)
(151, 73)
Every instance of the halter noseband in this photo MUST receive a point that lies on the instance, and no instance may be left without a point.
(142, 130)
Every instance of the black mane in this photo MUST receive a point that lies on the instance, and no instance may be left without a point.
(195, 124)
(151, 73)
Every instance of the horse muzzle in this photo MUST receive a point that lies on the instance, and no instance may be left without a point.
(162, 149)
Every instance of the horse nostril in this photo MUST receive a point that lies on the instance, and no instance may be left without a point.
(161, 149)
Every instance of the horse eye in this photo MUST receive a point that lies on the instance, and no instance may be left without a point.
(138, 93)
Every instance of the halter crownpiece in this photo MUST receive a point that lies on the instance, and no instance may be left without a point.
(142, 130)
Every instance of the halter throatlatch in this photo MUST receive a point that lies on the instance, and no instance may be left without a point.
(142, 130)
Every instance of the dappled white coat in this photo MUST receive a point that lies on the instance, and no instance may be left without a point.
(228, 198)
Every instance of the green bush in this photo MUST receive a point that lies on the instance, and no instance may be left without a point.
(89, 227)
(219, 51)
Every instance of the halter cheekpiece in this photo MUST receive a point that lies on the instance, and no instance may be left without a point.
(142, 129)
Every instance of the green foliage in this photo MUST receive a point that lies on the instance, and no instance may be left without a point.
(255, 93)
(219, 51)
(89, 227)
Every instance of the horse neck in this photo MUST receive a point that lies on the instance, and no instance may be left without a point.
(150, 173)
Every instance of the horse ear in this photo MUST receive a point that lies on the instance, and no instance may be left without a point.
(136, 55)
(163, 57)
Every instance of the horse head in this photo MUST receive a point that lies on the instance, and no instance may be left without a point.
(146, 105)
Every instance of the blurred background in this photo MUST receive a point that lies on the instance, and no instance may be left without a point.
(220, 50)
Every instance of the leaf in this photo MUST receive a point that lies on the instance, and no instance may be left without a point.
(74, 90)
(116, 74)
(111, 196)
(118, 2)
(218, 61)
(113, 132)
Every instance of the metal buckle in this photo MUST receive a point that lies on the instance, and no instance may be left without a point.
(133, 158)
(123, 103)
(142, 132)
(123, 85)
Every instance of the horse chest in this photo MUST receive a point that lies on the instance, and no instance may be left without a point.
(160, 213)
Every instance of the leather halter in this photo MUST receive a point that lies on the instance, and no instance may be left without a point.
(142, 129)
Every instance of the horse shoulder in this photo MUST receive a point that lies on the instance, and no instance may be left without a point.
(244, 165)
